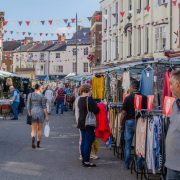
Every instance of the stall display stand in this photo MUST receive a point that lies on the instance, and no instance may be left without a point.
(118, 147)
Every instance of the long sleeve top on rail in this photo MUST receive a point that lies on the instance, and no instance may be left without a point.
(83, 110)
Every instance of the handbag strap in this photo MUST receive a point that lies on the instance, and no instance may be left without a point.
(87, 104)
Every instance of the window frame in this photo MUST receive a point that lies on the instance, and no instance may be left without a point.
(85, 67)
(58, 55)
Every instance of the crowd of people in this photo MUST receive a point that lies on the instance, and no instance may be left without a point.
(41, 100)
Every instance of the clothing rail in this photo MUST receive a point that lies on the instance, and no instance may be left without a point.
(114, 113)
(144, 172)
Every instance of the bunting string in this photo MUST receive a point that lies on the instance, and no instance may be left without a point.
(48, 22)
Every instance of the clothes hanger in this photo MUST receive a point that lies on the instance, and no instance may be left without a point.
(148, 67)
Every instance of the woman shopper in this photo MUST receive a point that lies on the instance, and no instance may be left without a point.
(76, 108)
(36, 106)
(87, 132)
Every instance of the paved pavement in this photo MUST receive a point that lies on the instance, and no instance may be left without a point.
(57, 160)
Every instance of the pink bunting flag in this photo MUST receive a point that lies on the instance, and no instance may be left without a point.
(73, 20)
(23, 33)
(174, 2)
(5, 23)
(122, 13)
(148, 8)
(27, 23)
(50, 22)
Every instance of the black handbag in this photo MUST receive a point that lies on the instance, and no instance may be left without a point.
(29, 120)
(29, 117)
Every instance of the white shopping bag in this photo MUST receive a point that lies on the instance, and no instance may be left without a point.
(47, 129)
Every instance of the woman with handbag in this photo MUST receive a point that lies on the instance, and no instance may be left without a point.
(87, 123)
(36, 106)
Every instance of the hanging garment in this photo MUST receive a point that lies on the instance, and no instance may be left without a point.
(158, 142)
(160, 71)
(146, 83)
(113, 86)
(154, 139)
(167, 90)
(98, 87)
(102, 130)
(126, 81)
(150, 146)
(141, 137)
(110, 118)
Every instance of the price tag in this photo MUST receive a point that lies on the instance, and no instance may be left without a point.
(155, 78)
(147, 74)
(167, 107)
(150, 100)
(138, 102)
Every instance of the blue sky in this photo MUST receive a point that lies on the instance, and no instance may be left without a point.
(37, 10)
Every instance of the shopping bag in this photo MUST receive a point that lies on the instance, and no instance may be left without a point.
(47, 129)
(90, 118)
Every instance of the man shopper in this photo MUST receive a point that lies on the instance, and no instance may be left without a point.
(128, 121)
(49, 98)
(60, 99)
(173, 135)
(16, 99)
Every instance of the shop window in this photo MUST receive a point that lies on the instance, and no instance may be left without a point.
(146, 40)
(161, 2)
(74, 52)
(60, 69)
(139, 42)
(117, 14)
(74, 67)
(129, 44)
(57, 55)
(42, 56)
(85, 67)
(160, 38)
(116, 49)
(86, 51)
(42, 67)
(139, 7)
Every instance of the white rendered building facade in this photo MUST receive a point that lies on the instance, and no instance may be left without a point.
(139, 29)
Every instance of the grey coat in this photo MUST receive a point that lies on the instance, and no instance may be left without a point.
(36, 104)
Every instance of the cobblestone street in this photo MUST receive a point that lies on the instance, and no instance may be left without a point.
(58, 158)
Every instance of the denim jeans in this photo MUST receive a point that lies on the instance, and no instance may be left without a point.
(172, 175)
(88, 137)
(128, 137)
(15, 107)
(61, 104)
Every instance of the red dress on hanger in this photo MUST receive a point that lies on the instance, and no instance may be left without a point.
(102, 129)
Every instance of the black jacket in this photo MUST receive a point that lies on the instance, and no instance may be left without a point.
(83, 110)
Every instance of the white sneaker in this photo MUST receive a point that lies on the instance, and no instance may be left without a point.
(94, 157)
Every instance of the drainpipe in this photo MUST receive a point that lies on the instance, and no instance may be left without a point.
(170, 25)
